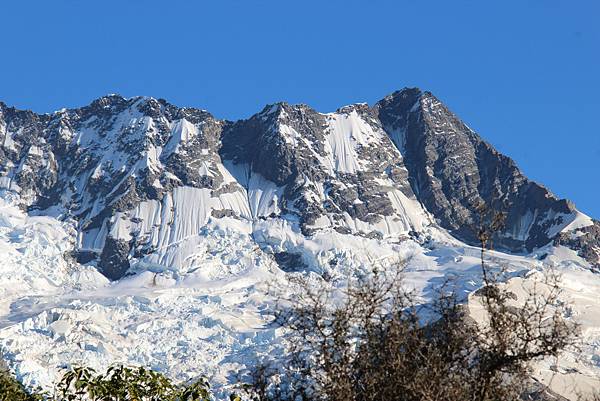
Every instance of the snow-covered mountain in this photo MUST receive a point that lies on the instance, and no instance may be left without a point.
(138, 231)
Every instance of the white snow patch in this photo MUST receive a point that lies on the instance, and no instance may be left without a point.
(346, 132)
(182, 131)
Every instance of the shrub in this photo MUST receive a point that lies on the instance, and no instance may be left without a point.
(118, 383)
(371, 342)
(12, 390)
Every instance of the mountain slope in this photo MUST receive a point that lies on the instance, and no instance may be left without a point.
(134, 221)
(453, 171)
(358, 170)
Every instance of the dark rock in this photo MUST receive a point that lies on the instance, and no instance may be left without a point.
(114, 259)
(453, 171)
(586, 241)
(290, 262)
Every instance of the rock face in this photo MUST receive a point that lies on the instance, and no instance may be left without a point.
(452, 171)
(332, 168)
(584, 240)
(141, 176)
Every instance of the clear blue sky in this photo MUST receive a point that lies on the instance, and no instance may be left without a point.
(524, 74)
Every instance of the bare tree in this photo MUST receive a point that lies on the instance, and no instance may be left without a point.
(373, 341)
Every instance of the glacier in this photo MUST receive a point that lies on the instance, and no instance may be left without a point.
(138, 232)
(212, 316)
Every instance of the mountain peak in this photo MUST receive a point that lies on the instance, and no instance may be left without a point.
(282, 109)
(329, 163)
(402, 96)
(107, 100)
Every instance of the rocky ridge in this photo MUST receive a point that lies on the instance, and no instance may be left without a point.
(384, 171)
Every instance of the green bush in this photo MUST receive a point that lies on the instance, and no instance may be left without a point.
(12, 390)
(118, 383)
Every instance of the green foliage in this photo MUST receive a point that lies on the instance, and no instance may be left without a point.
(12, 390)
(118, 383)
(198, 391)
(121, 383)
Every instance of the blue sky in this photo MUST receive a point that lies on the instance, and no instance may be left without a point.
(524, 74)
